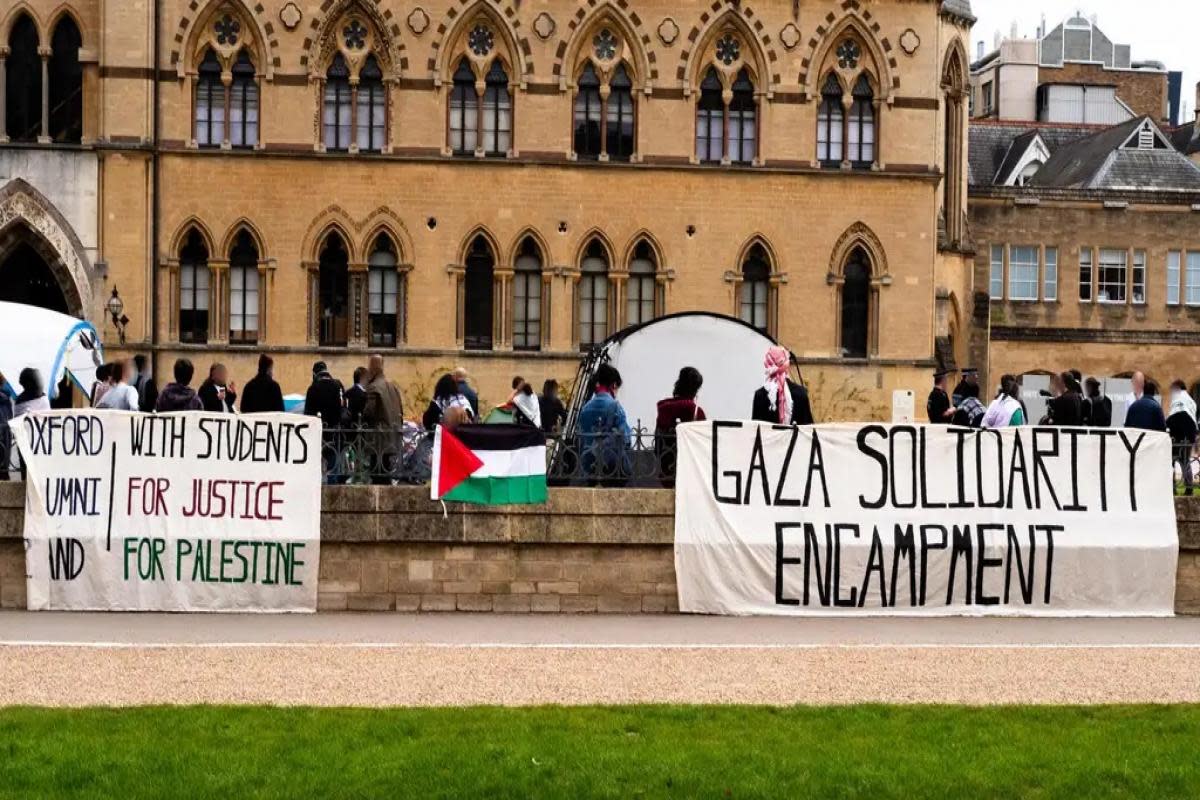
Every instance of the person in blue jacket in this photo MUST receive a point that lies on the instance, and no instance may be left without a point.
(604, 432)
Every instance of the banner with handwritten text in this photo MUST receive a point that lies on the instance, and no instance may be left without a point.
(917, 520)
(171, 512)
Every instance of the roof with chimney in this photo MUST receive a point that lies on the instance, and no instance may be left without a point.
(1135, 156)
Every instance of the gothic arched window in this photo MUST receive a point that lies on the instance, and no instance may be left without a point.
(710, 120)
(464, 111)
(66, 82)
(385, 296)
(619, 116)
(641, 291)
(862, 124)
(478, 296)
(593, 295)
(243, 289)
(497, 112)
(334, 288)
(371, 119)
(243, 103)
(527, 297)
(830, 123)
(336, 116)
(193, 289)
(856, 305)
(743, 121)
(23, 83)
(210, 102)
(588, 115)
(755, 289)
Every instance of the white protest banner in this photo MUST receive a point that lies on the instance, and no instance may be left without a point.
(171, 512)
(919, 520)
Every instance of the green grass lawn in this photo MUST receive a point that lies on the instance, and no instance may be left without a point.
(646, 751)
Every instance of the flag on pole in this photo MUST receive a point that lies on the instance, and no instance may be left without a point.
(489, 465)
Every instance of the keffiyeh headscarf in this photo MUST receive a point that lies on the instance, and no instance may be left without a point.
(776, 365)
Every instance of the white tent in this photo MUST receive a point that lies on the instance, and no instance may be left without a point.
(54, 344)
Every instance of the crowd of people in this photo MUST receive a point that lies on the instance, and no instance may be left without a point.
(1072, 401)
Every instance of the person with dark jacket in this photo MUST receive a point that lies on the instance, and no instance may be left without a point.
(218, 393)
(7, 412)
(967, 387)
(445, 397)
(464, 388)
(780, 399)
(1146, 412)
(179, 396)
(356, 396)
(262, 394)
(676, 410)
(1097, 409)
(938, 407)
(554, 413)
(1181, 424)
(324, 397)
(144, 383)
(1066, 408)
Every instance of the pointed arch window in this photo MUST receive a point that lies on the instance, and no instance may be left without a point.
(385, 294)
(23, 83)
(334, 292)
(588, 115)
(243, 103)
(371, 120)
(66, 82)
(593, 295)
(641, 294)
(193, 289)
(210, 102)
(862, 124)
(856, 305)
(243, 290)
(710, 120)
(464, 111)
(755, 289)
(619, 116)
(527, 297)
(830, 123)
(497, 112)
(478, 296)
(743, 121)
(337, 114)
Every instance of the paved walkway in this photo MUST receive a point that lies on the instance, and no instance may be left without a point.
(396, 659)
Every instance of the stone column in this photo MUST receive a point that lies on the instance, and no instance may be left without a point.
(44, 52)
(359, 322)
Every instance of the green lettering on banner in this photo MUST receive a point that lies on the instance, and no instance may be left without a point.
(179, 554)
(296, 563)
(226, 559)
(198, 573)
(128, 550)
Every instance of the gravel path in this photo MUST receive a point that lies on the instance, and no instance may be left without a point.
(425, 675)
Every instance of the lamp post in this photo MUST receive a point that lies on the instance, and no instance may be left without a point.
(116, 309)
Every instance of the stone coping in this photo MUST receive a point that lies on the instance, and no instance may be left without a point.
(573, 516)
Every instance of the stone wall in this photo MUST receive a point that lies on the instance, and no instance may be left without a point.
(589, 550)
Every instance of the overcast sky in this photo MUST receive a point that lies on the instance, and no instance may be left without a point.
(1158, 30)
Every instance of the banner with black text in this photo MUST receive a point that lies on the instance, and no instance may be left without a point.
(171, 512)
(919, 520)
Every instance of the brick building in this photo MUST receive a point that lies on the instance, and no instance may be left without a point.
(1088, 251)
(495, 184)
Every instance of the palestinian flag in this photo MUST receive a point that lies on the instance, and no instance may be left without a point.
(489, 465)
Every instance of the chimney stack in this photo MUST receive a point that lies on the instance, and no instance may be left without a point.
(979, 49)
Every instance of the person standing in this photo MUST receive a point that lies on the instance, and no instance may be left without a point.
(1066, 407)
(464, 388)
(1181, 424)
(179, 396)
(102, 385)
(938, 406)
(218, 393)
(144, 383)
(445, 397)
(6, 415)
(384, 410)
(1097, 409)
(604, 432)
(967, 387)
(1006, 410)
(262, 394)
(356, 396)
(678, 409)
(525, 407)
(1146, 413)
(324, 397)
(121, 396)
(780, 400)
(554, 413)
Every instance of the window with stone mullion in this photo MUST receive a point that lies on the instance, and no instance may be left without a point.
(710, 120)
(619, 116)
(210, 102)
(743, 121)
(587, 115)
(371, 117)
(464, 111)
(243, 104)
(336, 115)
(497, 112)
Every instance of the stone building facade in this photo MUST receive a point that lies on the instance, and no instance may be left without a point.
(495, 184)
(1088, 251)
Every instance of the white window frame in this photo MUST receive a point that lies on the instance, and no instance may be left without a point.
(1138, 279)
(1102, 264)
(996, 274)
(1087, 265)
(1192, 269)
(1174, 271)
(1021, 287)
(1050, 275)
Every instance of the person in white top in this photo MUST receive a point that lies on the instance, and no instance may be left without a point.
(122, 396)
(33, 396)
